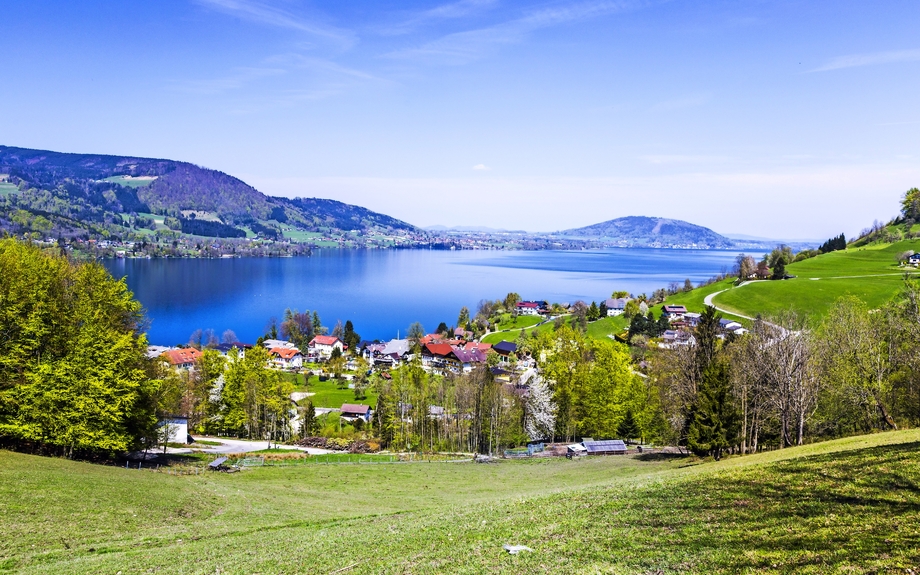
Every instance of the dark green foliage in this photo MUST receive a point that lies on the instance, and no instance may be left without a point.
(779, 269)
(207, 228)
(834, 244)
(648, 326)
(629, 427)
(350, 338)
(73, 372)
(594, 312)
(442, 328)
(263, 231)
(714, 420)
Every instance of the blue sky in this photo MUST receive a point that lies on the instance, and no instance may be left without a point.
(781, 119)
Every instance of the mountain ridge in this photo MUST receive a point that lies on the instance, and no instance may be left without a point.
(645, 231)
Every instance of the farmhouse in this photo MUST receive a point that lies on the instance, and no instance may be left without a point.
(528, 308)
(914, 260)
(616, 306)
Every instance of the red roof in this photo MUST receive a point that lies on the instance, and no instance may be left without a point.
(182, 356)
(324, 340)
(285, 352)
(441, 349)
(478, 345)
(528, 304)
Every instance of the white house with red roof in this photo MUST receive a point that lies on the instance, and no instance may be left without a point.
(286, 358)
(528, 308)
(323, 345)
(182, 358)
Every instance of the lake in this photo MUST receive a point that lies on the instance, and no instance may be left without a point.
(383, 291)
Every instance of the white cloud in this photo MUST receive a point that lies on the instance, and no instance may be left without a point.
(872, 59)
(233, 81)
(463, 47)
(267, 14)
(481, 167)
(450, 11)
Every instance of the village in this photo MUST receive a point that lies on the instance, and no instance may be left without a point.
(448, 353)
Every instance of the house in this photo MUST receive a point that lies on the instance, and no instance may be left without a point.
(729, 325)
(352, 411)
(461, 333)
(528, 308)
(323, 345)
(484, 347)
(182, 358)
(605, 447)
(436, 412)
(286, 358)
(673, 312)
(466, 359)
(505, 349)
(437, 355)
(390, 354)
(616, 306)
(675, 337)
(692, 318)
(914, 260)
(430, 338)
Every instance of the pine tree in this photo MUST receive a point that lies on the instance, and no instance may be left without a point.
(629, 428)
(714, 419)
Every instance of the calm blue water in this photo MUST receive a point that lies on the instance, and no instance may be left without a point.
(383, 291)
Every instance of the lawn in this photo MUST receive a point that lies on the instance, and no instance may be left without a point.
(130, 182)
(849, 506)
(870, 273)
(607, 326)
(7, 188)
(520, 321)
(327, 394)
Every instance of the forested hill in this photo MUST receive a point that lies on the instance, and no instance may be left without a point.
(641, 231)
(101, 189)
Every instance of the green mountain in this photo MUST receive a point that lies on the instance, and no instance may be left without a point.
(641, 231)
(68, 195)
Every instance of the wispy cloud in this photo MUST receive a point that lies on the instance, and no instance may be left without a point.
(681, 159)
(872, 59)
(450, 11)
(265, 13)
(683, 102)
(481, 168)
(233, 81)
(462, 47)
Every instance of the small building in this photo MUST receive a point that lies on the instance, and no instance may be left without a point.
(173, 429)
(155, 351)
(728, 325)
(505, 349)
(914, 259)
(272, 343)
(224, 348)
(605, 447)
(182, 358)
(353, 411)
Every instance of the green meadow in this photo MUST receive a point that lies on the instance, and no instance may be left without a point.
(845, 506)
(129, 181)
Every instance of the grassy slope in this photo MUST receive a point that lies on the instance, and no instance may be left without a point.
(851, 505)
(815, 296)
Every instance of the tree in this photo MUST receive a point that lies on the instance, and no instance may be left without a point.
(464, 318)
(539, 410)
(602, 309)
(442, 328)
(631, 309)
(229, 336)
(629, 428)
(593, 312)
(580, 315)
(271, 330)
(415, 333)
(511, 300)
(307, 419)
(350, 338)
(714, 422)
(619, 294)
(779, 269)
(318, 328)
(338, 330)
(746, 266)
(74, 377)
(910, 204)
(688, 285)
(196, 340)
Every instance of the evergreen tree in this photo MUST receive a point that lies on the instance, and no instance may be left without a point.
(714, 418)
(779, 269)
(629, 427)
(593, 312)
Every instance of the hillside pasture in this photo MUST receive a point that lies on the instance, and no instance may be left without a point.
(131, 181)
(7, 188)
(845, 506)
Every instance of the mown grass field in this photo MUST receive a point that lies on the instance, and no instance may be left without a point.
(7, 188)
(870, 273)
(129, 181)
(847, 506)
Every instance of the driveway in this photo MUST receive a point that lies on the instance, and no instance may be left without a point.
(240, 446)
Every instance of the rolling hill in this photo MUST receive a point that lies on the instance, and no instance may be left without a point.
(642, 231)
(100, 191)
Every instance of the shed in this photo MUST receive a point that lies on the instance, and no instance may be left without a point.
(605, 447)
(356, 411)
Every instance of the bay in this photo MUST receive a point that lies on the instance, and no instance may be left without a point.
(383, 291)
